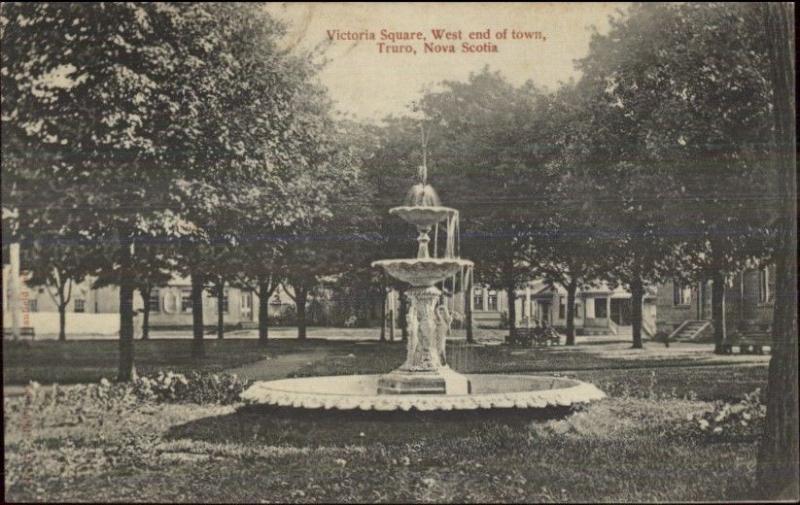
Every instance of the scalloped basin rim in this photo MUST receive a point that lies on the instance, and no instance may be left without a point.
(411, 262)
(360, 392)
(422, 271)
(422, 215)
(438, 209)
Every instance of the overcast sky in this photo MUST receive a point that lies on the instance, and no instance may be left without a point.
(370, 85)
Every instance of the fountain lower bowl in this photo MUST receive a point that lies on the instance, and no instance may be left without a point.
(488, 391)
(422, 271)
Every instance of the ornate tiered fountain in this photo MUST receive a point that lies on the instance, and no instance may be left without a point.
(424, 381)
(425, 370)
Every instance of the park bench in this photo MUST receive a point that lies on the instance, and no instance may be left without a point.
(747, 344)
(24, 331)
(533, 336)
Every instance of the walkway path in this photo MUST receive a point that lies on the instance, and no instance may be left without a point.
(280, 367)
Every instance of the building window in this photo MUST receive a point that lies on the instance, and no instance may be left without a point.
(477, 299)
(562, 308)
(600, 308)
(33, 305)
(763, 285)
(247, 305)
(577, 311)
(681, 295)
(492, 300)
(80, 305)
(186, 300)
(154, 302)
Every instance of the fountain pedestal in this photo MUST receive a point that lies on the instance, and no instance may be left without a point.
(424, 371)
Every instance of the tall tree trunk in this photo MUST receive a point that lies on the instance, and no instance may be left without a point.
(198, 349)
(145, 291)
(263, 311)
(62, 322)
(126, 371)
(511, 295)
(62, 303)
(14, 287)
(572, 287)
(301, 295)
(778, 457)
(220, 312)
(468, 319)
(512, 307)
(637, 298)
(718, 309)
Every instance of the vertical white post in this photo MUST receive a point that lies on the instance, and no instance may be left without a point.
(14, 300)
(528, 305)
(392, 313)
(471, 291)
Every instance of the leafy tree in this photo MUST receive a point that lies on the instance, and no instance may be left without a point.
(712, 131)
(94, 91)
(334, 232)
(131, 107)
(258, 272)
(327, 246)
(561, 242)
(223, 269)
(486, 149)
(153, 269)
(57, 267)
(679, 149)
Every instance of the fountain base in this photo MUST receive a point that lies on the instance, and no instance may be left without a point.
(487, 391)
(441, 381)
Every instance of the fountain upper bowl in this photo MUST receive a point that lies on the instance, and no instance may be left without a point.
(422, 271)
(422, 216)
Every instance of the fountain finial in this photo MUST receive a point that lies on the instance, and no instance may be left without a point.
(423, 169)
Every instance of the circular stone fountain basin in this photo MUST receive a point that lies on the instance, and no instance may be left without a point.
(422, 216)
(422, 271)
(488, 391)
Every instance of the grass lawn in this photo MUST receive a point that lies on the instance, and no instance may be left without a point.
(632, 446)
(91, 358)
(77, 361)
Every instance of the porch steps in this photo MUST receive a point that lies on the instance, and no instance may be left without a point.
(486, 319)
(593, 332)
(690, 330)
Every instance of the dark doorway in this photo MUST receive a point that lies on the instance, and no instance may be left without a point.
(621, 311)
(544, 312)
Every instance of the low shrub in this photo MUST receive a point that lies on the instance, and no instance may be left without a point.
(743, 419)
(286, 317)
(648, 389)
(82, 400)
(504, 324)
(194, 387)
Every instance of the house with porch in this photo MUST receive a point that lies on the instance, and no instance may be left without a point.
(96, 311)
(684, 310)
(599, 310)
